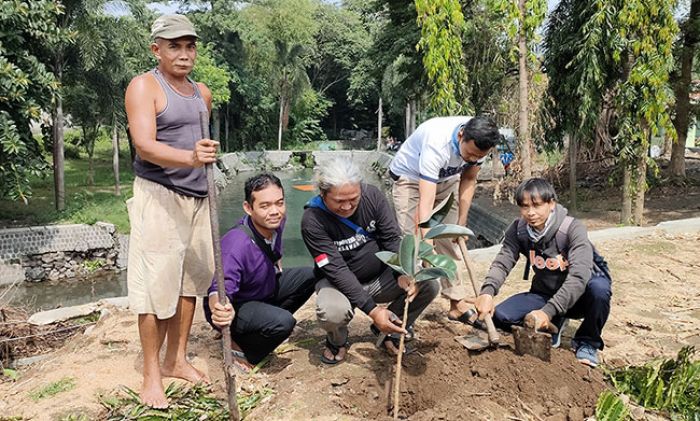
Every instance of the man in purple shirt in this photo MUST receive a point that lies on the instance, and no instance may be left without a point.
(263, 295)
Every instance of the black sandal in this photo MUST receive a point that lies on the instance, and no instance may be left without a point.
(469, 317)
(334, 350)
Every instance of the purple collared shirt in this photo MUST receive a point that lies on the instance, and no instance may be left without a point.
(248, 272)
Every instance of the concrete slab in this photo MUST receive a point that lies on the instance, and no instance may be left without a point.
(62, 314)
(121, 302)
(620, 233)
(681, 226)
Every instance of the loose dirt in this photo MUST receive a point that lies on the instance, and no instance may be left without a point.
(655, 311)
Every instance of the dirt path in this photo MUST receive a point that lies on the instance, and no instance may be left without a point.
(656, 310)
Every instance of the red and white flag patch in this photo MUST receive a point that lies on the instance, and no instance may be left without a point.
(321, 260)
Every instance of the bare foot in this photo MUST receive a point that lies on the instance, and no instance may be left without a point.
(340, 356)
(152, 393)
(457, 309)
(184, 371)
(242, 364)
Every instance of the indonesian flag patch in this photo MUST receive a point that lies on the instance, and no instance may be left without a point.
(321, 260)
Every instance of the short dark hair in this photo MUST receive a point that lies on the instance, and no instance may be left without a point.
(483, 131)
(535, 188)
(260, 182)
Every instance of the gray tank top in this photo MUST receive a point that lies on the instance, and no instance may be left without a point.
(177, 126)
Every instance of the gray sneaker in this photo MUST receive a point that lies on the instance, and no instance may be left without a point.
(587, 354)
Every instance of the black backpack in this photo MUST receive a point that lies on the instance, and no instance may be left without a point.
(562, 240)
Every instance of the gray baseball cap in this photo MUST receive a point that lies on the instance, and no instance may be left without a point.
(172, 26)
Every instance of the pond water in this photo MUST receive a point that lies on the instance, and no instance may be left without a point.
(48, 295)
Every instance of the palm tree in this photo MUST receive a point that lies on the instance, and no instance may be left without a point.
(291, 80)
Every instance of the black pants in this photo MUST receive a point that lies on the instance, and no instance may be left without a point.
(260, 326)
(593, 307)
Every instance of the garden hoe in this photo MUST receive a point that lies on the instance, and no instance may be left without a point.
(229, 373)
(476, 341)
(531, 341)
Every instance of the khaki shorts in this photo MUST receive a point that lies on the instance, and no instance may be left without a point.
(170, 248)
(405, 195)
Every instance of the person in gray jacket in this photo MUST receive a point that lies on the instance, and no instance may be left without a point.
(571, 280)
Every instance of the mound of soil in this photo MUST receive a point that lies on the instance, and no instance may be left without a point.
(443, 381)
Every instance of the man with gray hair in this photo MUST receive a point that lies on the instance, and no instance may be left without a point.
(343, 227)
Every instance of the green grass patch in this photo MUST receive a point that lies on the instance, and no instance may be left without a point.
(671, 385)
(84, 204)
(10, 374)
(52, 389)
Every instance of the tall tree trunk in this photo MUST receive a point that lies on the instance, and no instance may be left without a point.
(682, 90)
(524, 127)
(572, 172)
(115, 156)
(412, 118)
(407, 123)
(379, 125)
(626, 213)
(279, 131)
(58, 152)
(216, 124)
(641, 186)
(89, 138)
(668, 144)
(285, 115)
(497, 170)
(227, 122)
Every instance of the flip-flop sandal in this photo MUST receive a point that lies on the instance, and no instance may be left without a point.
(395, 340)
(470, 318)
(334, 350)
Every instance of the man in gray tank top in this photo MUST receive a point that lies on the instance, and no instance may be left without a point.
(170, 251)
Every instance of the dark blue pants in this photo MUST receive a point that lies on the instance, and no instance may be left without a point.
(261, 326)
(593, 307)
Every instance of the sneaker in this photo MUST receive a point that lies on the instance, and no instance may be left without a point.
(556, 338)
(587, 354)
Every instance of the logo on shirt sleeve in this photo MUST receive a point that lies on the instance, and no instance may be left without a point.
(321, 260)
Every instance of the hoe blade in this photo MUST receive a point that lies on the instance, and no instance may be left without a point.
(532, 342)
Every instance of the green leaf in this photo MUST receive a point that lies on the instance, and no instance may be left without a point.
(442, 261)
(611, 408)
(448, 231)
(391, 260)
(407, 254)
(433, 273)
(439, 213)
(424, 249)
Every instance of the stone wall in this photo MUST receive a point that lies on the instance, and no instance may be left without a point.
(58, 251)
(488, 227)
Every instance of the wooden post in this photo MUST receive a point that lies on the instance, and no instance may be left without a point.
(229, 370)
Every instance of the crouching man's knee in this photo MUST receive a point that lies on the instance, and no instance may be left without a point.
(331, 314)
(428, 290)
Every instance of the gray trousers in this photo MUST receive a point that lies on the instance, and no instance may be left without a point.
(334, 310)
